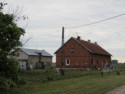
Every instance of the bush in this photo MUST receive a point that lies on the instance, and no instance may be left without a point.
(8, 73)
(9, 69)
(50, 78)
(22, 82)
(117, 72)
(6, 85)
(3, 86)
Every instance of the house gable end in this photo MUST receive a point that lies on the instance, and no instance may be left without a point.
(90, 47)
(21, 55)
(76, 42)
(63, 46)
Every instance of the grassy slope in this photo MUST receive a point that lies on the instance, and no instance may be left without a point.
(92, 83)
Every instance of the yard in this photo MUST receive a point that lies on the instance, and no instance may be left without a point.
(73, 82)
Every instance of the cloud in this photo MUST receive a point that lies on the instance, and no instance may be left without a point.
(46, 18)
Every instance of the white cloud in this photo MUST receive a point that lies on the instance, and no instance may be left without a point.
(46, 17)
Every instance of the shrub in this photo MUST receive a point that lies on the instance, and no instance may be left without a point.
(117, 72)
(50, 78)
(6, 85)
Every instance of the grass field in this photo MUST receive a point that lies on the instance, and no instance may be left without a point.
(73, 82)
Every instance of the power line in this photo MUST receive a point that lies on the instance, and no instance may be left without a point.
(97, 21)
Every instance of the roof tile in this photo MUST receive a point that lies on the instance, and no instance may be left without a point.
(94, 48)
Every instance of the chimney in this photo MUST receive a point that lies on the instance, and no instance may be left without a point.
(78, 38)
(89, 41)
(95, 42)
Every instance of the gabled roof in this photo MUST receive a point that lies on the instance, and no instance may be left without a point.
(91, 47)
(35, 52)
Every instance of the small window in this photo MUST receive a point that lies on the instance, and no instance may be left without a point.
(71, 49)
(67, 62)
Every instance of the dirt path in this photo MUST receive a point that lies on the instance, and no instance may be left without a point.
(119, 90)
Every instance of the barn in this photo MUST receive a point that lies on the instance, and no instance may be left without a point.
(77, 53)
(33, 58)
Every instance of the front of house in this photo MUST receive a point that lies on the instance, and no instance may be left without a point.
(77, 53)
(32, 58)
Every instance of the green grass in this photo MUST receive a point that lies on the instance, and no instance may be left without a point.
(74, 82)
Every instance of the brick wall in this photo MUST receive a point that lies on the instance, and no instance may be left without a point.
(79, 57)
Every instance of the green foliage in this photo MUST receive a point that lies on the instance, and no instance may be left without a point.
(91, 82)
(8, 73)
(50, 78)
(10, 35)
(39, 75)
(6, 85)
(8, 68)
(117, 72)
(62, 72)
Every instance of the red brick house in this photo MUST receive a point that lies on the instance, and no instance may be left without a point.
(77, 53)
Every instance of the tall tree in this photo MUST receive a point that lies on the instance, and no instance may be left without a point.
(10, 34)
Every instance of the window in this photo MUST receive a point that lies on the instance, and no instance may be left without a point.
(71, 49)
(67, 62)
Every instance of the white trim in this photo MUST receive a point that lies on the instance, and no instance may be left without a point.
(67, 59)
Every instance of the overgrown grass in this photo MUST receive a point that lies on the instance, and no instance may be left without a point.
(73, 82)
(41, 76)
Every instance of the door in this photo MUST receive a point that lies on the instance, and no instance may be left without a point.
(22, 65)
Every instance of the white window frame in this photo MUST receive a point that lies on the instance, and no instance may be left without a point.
(67, 59)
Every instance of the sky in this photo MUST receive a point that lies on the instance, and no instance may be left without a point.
(47, 17)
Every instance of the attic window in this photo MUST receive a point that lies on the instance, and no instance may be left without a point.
(71, 49)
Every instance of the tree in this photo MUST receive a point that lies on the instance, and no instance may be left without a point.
(10, 34)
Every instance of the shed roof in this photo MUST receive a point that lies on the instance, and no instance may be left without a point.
(35, 52)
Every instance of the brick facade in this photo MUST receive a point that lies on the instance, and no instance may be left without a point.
(75, 55)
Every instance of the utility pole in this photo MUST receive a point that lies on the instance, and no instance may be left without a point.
(62, 36)
(62, 53)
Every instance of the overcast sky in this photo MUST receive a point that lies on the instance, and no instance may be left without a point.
(46, 18)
